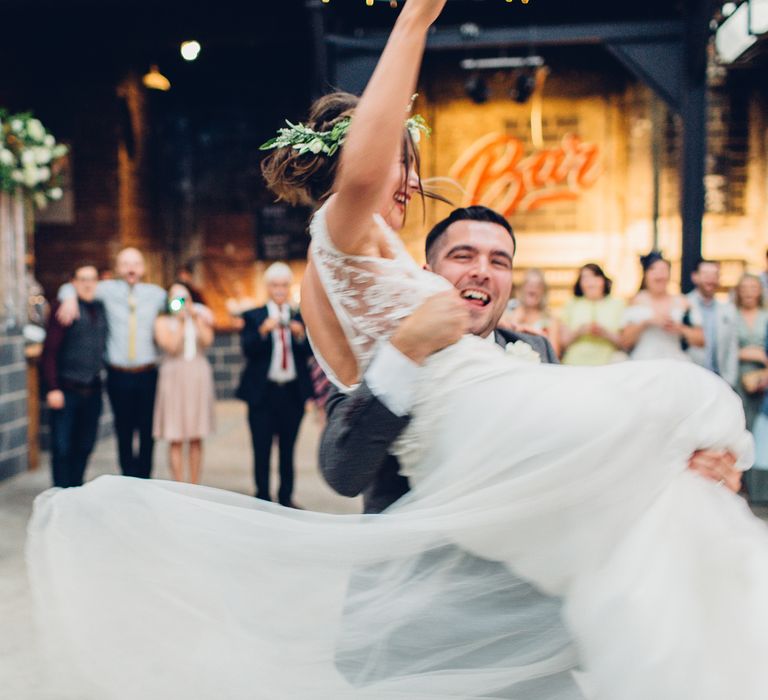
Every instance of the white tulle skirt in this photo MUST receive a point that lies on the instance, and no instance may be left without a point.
(536, 488)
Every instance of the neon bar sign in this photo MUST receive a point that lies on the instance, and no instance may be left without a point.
(495, 171)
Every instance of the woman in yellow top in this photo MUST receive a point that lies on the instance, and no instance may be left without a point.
(592, 320)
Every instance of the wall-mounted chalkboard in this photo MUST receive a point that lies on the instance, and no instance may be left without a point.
(281, 232)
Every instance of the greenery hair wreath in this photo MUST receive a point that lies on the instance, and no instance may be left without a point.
(304, 139)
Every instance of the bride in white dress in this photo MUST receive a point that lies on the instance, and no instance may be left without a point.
(573, 478)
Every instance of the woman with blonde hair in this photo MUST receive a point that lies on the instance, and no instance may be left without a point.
(532, 309)
(752, 320)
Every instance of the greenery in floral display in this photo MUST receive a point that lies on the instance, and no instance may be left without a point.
(30, 158)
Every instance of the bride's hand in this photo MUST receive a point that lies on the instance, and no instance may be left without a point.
(717, 465)
(439, 322)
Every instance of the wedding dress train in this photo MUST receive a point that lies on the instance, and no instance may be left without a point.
(574, 479)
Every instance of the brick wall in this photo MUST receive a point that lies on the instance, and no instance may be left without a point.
(227, 361)
(92, 235)
(112, 185)
(13, 406)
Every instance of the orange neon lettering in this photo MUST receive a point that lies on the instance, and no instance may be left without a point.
(495, 172)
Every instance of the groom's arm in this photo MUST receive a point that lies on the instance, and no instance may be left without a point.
(363, 426)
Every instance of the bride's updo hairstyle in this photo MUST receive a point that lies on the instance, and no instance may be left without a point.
(307, 178)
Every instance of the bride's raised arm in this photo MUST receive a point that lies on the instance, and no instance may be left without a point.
(375, 136)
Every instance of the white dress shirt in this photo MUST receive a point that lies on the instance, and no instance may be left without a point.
(281, 334)
(149, 299)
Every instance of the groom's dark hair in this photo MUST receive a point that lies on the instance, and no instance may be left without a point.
(475, 213)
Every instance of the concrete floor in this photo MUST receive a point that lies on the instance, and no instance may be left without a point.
(227, 465)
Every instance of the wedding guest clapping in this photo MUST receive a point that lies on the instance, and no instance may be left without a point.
(532, 313)
(185, 393)
(275, 382)
(657, 323)
(592, 320)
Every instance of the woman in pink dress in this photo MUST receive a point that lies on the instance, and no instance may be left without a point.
(185, 395)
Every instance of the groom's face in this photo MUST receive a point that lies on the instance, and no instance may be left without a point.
(476, 257)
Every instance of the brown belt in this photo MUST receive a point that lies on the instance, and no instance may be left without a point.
(133, 370)
(80, 388)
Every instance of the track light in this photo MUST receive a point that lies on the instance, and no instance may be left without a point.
(477, 89)
(523, 86)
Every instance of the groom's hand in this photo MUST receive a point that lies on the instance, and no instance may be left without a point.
(717, 465)
(439, 322)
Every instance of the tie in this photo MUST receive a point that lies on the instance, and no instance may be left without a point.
(284, 339)
(131, 327)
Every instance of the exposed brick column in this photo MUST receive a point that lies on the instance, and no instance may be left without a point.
(13, 405)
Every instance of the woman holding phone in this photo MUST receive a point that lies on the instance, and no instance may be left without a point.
(185, 395)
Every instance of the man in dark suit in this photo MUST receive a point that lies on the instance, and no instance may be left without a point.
(275, 382)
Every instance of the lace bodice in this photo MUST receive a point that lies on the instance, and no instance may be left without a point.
(369, 295)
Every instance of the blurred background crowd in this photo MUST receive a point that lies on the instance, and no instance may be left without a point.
(150, 344)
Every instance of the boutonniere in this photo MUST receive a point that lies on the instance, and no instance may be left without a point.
(522, 351)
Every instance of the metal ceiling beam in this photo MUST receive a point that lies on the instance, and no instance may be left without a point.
(659, 64)
(698, 14)
(457, 39)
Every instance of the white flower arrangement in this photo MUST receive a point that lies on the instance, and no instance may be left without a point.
(30, 159)
(520, 350)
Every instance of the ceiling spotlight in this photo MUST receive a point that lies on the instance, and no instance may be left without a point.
(155, 80)
(523, 87)
(477, 89)
(469, 30)
(728, 9)
(190, 50)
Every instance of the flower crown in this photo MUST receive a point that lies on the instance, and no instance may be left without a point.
(304, 139)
